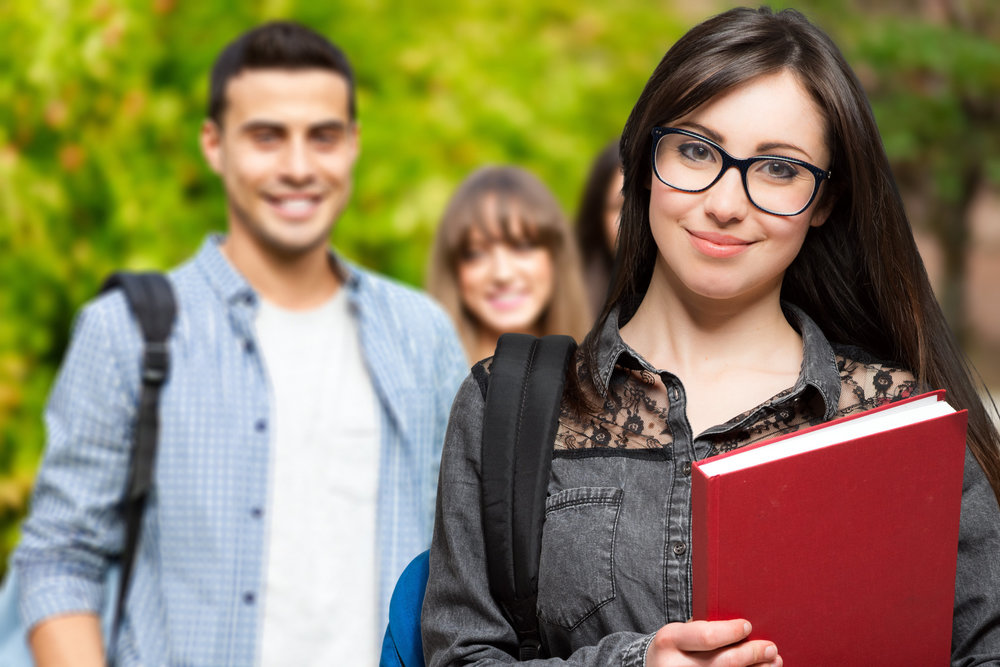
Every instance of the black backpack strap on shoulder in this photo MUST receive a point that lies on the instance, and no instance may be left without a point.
(151, 299)
(523, 399)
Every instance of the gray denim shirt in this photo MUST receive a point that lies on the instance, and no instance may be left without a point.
(615, 563)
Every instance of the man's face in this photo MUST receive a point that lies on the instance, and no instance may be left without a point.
(285, 152)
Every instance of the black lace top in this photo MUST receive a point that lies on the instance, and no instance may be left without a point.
(641, 407)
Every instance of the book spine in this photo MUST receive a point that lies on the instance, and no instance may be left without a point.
(704, 513)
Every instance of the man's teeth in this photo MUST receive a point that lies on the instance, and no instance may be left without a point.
(295, 205)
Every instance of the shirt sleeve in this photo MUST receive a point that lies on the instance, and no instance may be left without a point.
(460, 621)
(975, 638)
(74, 528)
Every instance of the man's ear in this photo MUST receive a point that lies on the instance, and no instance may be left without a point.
(211, 144)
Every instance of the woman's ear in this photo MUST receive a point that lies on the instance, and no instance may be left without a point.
(823, 208)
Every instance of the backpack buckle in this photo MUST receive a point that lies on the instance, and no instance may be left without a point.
(155, 363)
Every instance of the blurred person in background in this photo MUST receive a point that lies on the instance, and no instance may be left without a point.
(300, 427)
(504, 261)
(597, 222)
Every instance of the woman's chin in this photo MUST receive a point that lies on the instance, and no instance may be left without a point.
(512, 324)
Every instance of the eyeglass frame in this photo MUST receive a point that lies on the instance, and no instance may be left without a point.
(741, 164)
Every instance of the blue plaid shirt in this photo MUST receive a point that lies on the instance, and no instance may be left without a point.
(195, 597)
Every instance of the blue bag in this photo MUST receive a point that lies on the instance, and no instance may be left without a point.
(401, 646)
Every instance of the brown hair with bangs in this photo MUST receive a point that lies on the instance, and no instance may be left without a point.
(510, 204)
(858, 276)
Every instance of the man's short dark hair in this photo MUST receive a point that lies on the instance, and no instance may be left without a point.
(277, 45)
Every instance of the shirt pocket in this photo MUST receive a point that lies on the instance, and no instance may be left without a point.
(576, 568)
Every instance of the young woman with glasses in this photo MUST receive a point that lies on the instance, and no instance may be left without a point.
(767, 280)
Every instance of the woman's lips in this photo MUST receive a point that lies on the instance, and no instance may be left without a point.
(506, 301)
(718, 245)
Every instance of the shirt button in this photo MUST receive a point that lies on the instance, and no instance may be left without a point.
(256, 512)
(248, 346)
(248, 299)
(686, 468)
(260, 425)
(249, 597)
(679, 548)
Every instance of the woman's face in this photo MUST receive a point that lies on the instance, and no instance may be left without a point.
(715, 244)
(505, 285)
(613, 209)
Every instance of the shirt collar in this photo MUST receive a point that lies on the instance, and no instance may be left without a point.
(819, 364)
(231, 287)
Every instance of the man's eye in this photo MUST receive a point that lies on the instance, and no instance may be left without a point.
(328, 138)
(265, 136)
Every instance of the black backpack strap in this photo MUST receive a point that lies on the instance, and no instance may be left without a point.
(523, 399)
(151, 299)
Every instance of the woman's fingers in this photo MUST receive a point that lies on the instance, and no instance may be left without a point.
(709, 643)
(704, 635)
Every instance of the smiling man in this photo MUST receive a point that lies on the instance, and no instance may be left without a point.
(300, 428)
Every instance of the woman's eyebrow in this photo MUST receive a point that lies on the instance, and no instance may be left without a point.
(772, 145)
(701, 129)
(762, 148)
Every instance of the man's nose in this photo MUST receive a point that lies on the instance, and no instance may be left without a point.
(297, 163)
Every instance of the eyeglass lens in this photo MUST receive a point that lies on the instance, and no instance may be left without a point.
(687, 163)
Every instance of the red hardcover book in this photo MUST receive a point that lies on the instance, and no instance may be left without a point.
(838, 542)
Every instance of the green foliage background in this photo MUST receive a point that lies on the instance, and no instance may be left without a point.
(101, 101)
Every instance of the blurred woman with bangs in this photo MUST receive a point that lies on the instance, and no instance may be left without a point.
(504, 261)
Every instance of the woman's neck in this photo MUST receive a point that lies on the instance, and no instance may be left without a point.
(729, 356)
(691, 336)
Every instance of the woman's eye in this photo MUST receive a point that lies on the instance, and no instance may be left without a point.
(780, 170)
(472, 254)
(696, 151)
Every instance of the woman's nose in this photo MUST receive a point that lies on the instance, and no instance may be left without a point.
(501, 262)
(727, 200)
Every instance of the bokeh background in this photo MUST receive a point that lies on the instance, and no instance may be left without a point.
(101, 101)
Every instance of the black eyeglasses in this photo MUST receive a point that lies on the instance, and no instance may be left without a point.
(775, 184)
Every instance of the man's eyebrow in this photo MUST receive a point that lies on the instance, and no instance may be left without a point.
(264, 124)
(254, 125)
(337, 125)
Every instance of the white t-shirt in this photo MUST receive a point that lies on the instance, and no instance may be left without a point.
(320, 587)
